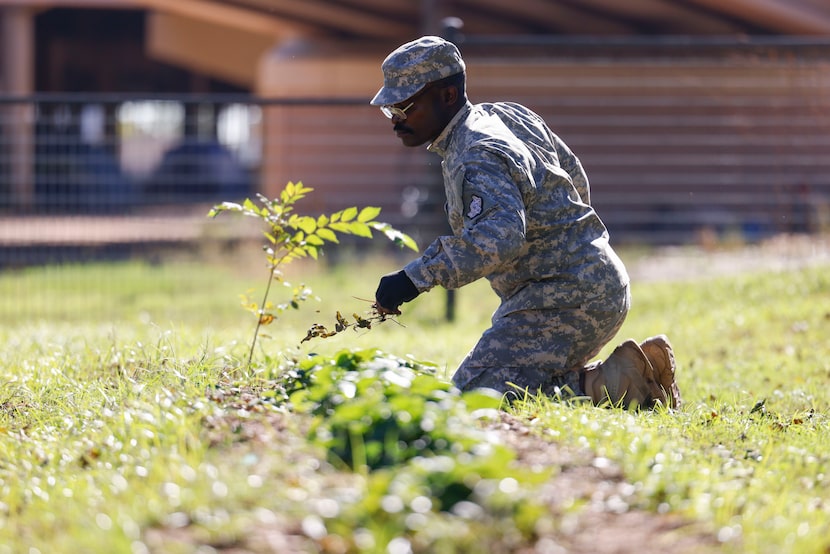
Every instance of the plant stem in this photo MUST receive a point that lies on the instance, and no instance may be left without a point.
(274, 265)
(261, 312)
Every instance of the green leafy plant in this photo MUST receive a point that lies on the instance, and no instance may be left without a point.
(291, 236)
(433, 475)
(376, 410)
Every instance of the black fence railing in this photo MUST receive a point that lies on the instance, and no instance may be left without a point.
(113, 153)
(672, 150)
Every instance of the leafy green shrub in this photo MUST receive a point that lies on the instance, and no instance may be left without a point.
(377, 411)
(434, 475)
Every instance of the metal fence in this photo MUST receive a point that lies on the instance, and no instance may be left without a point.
(671, 150)
(112, 175)
(76, 154)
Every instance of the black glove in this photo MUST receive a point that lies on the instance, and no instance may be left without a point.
(395, 289)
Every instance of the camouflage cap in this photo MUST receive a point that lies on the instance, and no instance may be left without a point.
(415, 64)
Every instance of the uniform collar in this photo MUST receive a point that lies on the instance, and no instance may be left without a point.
(442, 141)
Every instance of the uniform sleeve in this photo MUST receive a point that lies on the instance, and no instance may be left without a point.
(493, 230)
(571, 164)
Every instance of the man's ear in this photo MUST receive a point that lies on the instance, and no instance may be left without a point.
(449, 95)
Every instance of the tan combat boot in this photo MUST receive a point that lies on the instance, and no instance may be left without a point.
(626, 378)
(659, 352)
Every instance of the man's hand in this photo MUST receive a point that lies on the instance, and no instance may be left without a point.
(394, 289)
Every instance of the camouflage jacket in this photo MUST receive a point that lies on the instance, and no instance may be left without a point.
(518, 203)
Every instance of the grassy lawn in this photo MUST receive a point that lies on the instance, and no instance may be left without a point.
(129, 422)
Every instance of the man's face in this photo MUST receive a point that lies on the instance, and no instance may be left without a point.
(426, 115)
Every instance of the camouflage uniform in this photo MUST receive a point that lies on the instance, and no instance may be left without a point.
(518, 205)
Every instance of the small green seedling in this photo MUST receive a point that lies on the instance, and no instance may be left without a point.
(291, 236)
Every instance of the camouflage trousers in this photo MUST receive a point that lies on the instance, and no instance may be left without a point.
(542, 350)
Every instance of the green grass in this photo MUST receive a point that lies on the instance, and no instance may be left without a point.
(109, 429)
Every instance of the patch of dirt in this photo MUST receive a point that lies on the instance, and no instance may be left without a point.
(606, 523)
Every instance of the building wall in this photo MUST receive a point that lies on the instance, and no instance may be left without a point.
(672, 146)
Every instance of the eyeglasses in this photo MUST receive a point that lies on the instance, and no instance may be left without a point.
(393, 111)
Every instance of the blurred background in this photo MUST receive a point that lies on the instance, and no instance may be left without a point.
(123, 121)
